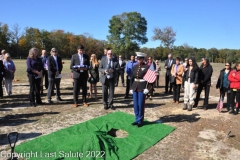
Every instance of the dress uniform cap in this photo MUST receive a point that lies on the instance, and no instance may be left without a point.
(140, 54)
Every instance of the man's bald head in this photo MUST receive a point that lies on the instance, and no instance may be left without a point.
(3, 52)
(170, 56)
(44, 52)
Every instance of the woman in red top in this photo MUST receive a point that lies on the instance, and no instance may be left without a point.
(234, 79)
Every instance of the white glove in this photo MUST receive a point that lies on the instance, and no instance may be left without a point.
(131, 91)
(145, 91)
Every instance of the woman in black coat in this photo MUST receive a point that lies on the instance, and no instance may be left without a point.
(204, 79)
(223, 83)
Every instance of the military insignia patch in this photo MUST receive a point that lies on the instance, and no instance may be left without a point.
(142, 69)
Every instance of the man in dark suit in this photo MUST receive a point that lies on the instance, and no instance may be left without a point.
(44, 58)
(2, 73)
(108, 69)
(54, 74)
(79, 65)
(168, 66)
(122, 65)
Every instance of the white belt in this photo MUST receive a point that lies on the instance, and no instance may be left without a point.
(139, 80)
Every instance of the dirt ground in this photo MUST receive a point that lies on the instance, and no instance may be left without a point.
(199, 134)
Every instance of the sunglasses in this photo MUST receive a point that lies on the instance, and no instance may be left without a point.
(227, 65)
(54, 51)
(109, 54)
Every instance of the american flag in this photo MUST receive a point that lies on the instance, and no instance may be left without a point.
(150, 76)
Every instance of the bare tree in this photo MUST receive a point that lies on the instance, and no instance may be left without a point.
(15, 36)
(165, 35)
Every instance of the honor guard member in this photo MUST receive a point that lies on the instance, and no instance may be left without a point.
(138, 88)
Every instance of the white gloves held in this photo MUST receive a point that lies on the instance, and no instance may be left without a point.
(131, 91)
(145, 91)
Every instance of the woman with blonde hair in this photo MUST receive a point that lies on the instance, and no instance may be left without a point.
(9, 73)
(93, 75)
(34, 73)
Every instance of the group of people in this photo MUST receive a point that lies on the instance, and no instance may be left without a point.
(84, 69)
(193, 79)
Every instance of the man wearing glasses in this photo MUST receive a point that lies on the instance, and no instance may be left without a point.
(108, 68)
(54, 74)
(122, 65)
(79, 65)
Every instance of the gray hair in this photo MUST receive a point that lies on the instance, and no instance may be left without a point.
(6, 56)
(3, 51)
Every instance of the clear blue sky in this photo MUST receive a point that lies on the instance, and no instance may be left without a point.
(199, 23)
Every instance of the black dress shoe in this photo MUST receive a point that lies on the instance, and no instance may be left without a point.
(139, 125)
(105, 107)
(112, 107)
(134, 123)
(59, 99)
(170, 92)
(39, 103)
(126, 97)
(49, 102)
(33, 104)
(166, 92)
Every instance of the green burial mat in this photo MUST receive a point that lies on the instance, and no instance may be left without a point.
(95, 139)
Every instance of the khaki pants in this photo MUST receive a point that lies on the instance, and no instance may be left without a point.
(188, 92)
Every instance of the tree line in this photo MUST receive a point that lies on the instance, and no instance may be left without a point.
(18, 43)
(127, 32)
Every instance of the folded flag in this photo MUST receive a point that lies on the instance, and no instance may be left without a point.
(150, 76)
(81, 66)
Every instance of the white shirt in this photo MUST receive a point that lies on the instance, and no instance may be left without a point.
(80, 56)
(120, 62)
(55, 58)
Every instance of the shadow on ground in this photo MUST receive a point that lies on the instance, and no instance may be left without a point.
(180, 118)
(18, 119)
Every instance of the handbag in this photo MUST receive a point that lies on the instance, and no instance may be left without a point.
(172, 79)
(90, 79)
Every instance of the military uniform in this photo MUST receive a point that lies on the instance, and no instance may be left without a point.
(138, 84)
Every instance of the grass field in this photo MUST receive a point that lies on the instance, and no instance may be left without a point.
(21, 68)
